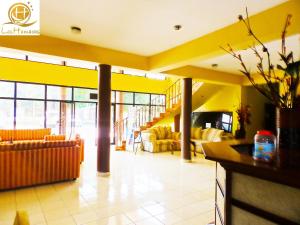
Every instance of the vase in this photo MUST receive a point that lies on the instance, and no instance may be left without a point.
(241, 132)
(288, 137)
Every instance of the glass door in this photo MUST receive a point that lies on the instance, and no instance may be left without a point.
(66, 119)
(85, 121)
(53, 116)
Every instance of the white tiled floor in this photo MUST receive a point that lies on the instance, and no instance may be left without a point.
(143, 189)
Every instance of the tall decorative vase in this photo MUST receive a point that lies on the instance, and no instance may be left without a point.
(288, 137)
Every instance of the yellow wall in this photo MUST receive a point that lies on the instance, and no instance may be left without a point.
(227, 98)
(26, 71)
(168, 121)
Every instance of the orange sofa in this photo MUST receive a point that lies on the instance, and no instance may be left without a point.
(30, 163)
(37, 134)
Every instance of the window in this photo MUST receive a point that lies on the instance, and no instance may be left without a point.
(6, 113)
(227, 122)
(157, 99)
(124, 97)
(45, 59)
(53, 116)
(7, 89)
(81, 64)
(33, 91)
(142, 98)
(83, 94)
(113, 96)
(30, 114)
(156, 76)
(59, 93)
(11, 54)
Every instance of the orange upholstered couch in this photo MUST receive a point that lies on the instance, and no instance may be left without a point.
(30, 163)
(37, 134)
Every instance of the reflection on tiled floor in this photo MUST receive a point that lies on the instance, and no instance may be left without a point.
(143, 189)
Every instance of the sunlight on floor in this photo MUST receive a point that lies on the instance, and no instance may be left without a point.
(143, 189)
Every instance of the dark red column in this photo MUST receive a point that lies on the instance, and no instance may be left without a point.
(104, 108)
(186, 110)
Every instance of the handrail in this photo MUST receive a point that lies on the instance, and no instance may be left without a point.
(157, 106)
(120, 128)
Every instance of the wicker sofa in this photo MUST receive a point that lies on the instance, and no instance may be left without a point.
(20, 135)
(28, 163)
(160, 139)
(199, 136)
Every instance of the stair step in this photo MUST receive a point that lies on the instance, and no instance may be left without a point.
(143, 128)
(149, 123)
(155, 119)
(175, 105)
(162, 115)
(120, 148)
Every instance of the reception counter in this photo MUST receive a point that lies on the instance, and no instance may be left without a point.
(251, 192)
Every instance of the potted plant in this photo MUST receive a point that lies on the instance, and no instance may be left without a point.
(243, 112)
(285, 98)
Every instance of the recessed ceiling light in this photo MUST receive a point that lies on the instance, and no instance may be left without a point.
(75, 30)
(214, 65)
(177, 27)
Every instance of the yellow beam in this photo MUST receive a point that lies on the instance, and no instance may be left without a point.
(35, 72)
(69, 49)
(206, 75)
(267, 25)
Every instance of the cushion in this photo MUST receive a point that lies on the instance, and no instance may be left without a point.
(168, 134)
(164, 145)
(161, 133)
(196, 133)
(156, 132)
(205, 133)
(212, 133)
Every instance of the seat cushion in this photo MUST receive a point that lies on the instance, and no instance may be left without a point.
(196, 132)
(164, 145)
(210, 134)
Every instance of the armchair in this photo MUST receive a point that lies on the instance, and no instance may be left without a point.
(160, 139)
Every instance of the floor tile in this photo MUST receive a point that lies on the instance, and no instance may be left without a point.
(138, 214)
(143, 189)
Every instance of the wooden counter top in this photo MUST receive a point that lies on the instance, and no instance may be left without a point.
(231, 159)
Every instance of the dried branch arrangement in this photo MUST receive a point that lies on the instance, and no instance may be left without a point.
(287, 97)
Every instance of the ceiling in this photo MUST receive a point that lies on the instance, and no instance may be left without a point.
(143, 27)
(229, 64)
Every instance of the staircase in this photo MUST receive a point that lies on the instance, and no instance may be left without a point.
(146, 117)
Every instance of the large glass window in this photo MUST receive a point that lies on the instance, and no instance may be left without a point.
(85, 120)
(33, 91)
(59, 93)
(124, 97)
(113, 96)
(30, 114)
(6, 114)
(7, 89)
(86, 95)
(53, 116)
(71, 110)
(142, 98)
(157, 99)
(45, 59)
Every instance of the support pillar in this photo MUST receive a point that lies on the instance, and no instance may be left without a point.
(104, 111)
(186, 110)
(177, 123)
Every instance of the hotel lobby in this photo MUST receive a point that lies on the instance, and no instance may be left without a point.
(150, 112)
